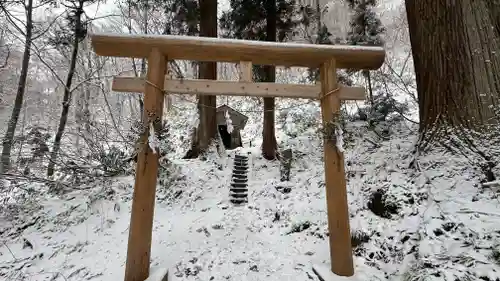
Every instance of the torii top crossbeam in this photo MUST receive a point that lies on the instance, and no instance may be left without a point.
(232, 50)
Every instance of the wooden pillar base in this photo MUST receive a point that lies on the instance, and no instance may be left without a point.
(325, 274)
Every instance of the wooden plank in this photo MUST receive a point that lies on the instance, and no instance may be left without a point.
(141, 222)
(335, 182)
(235, 88)
(232, 50)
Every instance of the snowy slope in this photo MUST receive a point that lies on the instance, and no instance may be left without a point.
(444, 226)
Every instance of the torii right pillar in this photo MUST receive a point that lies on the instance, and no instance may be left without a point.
(335, 182)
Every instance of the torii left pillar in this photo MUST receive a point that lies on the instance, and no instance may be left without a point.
(141, 222)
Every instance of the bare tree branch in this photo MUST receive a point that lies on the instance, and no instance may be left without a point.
(404, 64)
(31, 179)
(49, 67)
(102, 17)
(405, 85)
(90, 78)
(10, 18)
(112, 117)
(6, 61)
(49, 26)
(42, 3)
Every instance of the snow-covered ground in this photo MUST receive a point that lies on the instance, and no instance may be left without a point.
(438, 222)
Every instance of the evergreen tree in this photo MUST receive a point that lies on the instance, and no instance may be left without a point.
(247, 19)
(366, 30)
(264, 20)
(366, 27)
(316, 32)
(207, 127)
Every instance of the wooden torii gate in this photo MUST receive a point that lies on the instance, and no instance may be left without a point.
(157, 49)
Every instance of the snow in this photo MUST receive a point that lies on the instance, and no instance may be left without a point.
(446, 226)
(222, 41)
(325, 274)
(159, 275)
(195, 121)
(491, 183)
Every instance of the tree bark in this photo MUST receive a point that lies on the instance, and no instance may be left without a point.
(67, 90)
(82, 111)
(143, 61)
(269, 143)
(134, 67)
(455, 53)
(368, 77)
(21, 89)
(319, 23)
(207, 127)
(88, 91)
(494, 13)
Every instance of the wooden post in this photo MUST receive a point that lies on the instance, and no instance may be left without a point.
(336, 191)
(141, 222)
(245, 71)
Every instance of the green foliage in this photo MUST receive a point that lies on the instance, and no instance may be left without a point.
(247, 20)
(112, 161)
(366, 27)
(322, 37)
(296, 121)
(358, 238)
(385, 108)
(299, 227)
(382, 204)
(183, 16)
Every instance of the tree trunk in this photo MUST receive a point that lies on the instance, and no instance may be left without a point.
(67, 91)
(494, 13)
(207, 127)
(134, 67)
(79, 121)
(88, 93)
(368, 77)
(319, 23)
(455, 52)
(82, 112)
(269, 143)
(143, 61)
(21, 89)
